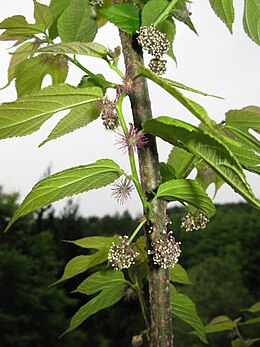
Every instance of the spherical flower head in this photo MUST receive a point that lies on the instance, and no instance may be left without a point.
(122, 256)
(153, 41)
(133, 141)
(165, 250)
(158, 66)
(108, 114)
(122, 189)
(194, 221)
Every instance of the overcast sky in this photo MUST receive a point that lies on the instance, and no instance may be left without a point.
(215, 62)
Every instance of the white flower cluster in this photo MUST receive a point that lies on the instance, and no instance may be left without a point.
(122, 256)
(156, 44)
(194, 221)
(96, 2)
(165, 251)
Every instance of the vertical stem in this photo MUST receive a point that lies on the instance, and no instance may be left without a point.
(161, 334)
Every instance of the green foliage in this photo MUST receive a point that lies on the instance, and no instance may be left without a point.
(32, 111)
(251, 20)
(124, 16)
(84, 48)
(151, 11)
(179, 275)
(187, 191)
(76, 23)
(67, 183)
(184, 309)
(205, 146)
(225, 11)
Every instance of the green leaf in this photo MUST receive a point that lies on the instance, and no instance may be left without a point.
(31, 72)
(243, 343)
(239, 122)
(101, 280)
(224, 9)
(179, 275)
(106, 298)
(57, 7)
(82, 263)
(75, 119)
(20, 54)
(27, 114)
(124, 16)
(181, 161)
(43, 15)
(184, 309)
(206, 176)
(181, 12)
(187, 191)
(66, 183)
(220, 323)
(254, 308)
(167, 172)
(207, 147)
(89, 48)
(151, 11)
(196, 109)
(76, 23)
(255, 320)
(169, 29)
(251, 19)
(18, 26)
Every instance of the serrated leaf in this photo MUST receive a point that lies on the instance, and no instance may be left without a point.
(101, 280)
(43, 15)
(66, 183)
(106, 298)
(181, 161)
(251, 19)
(207, 147)
(187, 191)
(220, 323)
(89, 48)
(27, 114)
(82, 263)
(76, 23)
(182, 12)
(75, 119)
(224, 9)
(31, 72)
(206, 176)
(184, 309)
(254, 308)
(179, 275)
(239, 122)
(19, 55)
(196, 109)
(17, 25)
(151, 11)
(167, 172)
(124, 16)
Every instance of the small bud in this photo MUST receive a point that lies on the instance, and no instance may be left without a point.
(137, 341)
(96, 2)
(108, 114)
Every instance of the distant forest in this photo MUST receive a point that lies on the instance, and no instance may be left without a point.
(222, 262)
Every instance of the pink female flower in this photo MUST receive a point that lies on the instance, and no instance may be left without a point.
(122, 190)
(133, 141)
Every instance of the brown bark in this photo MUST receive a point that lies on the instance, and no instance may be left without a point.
(160, 332)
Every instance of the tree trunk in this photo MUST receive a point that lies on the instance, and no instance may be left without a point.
(160, 332)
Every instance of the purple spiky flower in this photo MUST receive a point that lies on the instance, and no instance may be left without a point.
(133, 141)
(122, 189)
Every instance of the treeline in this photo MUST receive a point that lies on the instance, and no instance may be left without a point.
(222, 262)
